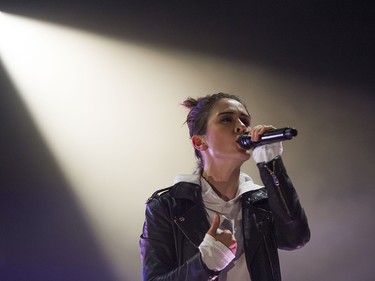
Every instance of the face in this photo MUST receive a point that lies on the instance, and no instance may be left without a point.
(227, 121)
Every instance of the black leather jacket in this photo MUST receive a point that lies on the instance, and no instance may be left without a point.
(176, 223)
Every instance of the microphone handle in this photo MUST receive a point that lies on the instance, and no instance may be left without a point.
(270, 136)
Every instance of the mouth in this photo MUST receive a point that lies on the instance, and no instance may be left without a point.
(244, 142)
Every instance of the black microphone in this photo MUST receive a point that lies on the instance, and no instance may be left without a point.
(270, 136)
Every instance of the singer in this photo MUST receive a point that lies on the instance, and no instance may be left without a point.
(216, 223)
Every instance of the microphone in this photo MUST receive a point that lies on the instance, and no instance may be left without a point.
(270, 136)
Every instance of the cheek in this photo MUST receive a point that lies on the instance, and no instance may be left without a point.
(215, 137)
(220, 141)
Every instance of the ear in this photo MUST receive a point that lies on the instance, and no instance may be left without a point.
(199, 142)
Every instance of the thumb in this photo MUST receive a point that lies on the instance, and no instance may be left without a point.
(215, 225)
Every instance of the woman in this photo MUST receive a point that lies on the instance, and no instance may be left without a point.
(217, 223)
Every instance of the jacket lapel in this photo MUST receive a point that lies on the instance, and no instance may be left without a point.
(255, 220)
(192, 218)
(194, 224)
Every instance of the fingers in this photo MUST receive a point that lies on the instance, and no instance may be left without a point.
(226, 237)
(258, 130)
(214, 226)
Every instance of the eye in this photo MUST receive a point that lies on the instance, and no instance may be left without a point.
(245, 121)
(227, 119)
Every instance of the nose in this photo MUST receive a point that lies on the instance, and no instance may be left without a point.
(241, 127)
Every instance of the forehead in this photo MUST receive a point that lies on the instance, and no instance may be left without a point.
(228, 105)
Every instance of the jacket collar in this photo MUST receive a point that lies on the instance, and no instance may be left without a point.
(195, 215)
(186, 190)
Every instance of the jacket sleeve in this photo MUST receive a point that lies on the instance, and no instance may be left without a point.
(159, 249)
(291, 226)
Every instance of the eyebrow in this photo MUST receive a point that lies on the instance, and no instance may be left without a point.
(232, 112)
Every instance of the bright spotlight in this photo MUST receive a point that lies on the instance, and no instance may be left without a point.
(96, 102)
(80, 89)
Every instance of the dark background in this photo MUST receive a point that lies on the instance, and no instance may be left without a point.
(328, 40)
(43, 236)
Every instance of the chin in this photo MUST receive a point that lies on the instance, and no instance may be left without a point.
(246, 154)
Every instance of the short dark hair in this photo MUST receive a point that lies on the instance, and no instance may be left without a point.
(199, 111)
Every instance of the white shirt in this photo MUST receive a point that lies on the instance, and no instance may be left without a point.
(234, 267)
(214, 254)
(231, 218)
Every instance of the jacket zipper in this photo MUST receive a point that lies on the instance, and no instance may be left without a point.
(277, 184)
(176, 221)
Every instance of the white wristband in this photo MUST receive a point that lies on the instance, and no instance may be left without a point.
(215, 254)
(267, 152)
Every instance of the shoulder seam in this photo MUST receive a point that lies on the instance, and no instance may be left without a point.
(157, 194)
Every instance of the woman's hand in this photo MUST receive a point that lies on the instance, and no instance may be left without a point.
(258, 130)
(268, 152)
(226, 237)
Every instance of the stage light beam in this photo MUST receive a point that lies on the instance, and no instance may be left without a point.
(97, 102)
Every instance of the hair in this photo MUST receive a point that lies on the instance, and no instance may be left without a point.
(199, 111)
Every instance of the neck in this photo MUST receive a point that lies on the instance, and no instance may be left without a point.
(224, 181)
